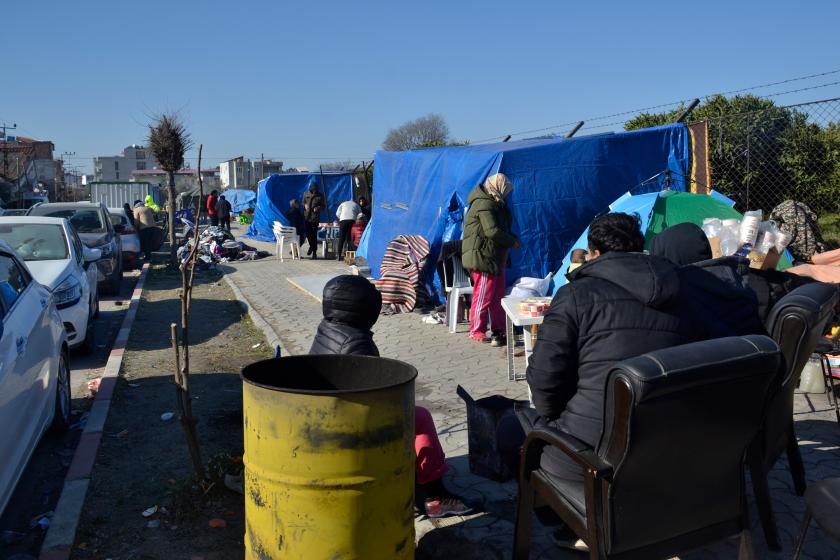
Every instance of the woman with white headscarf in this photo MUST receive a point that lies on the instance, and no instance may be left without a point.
(487, 239)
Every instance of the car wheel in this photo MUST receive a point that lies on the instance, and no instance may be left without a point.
(116, 281)
(61, 418)
(89, 345)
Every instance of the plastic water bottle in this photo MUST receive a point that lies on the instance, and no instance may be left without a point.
(745, 250)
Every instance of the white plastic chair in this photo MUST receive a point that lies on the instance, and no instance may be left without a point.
(459, 285)
(282, 235)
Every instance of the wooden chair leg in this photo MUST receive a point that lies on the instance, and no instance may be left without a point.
(806, 523)
(797, 467)
(522, 527)
(762, 500)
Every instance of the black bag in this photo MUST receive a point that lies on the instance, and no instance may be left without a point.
(483, 416)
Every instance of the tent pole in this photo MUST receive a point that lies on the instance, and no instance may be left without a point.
(324, 186)
(688, 110)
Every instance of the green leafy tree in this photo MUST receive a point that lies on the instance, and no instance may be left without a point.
(762, 154)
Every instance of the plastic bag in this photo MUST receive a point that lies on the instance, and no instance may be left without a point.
(531, 287)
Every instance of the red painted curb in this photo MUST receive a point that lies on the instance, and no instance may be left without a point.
(84, 457)
(68, 510)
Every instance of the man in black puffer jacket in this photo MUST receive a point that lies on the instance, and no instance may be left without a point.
(619, 305)
(351, 307)
(717, 290)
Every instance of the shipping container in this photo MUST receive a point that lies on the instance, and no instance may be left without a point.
(115, 194)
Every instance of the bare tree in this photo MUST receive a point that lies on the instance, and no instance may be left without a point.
(337, 166)
(169, 141)
(182, 369)
(430, 130)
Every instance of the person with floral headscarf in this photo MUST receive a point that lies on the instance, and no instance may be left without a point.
(487, 239)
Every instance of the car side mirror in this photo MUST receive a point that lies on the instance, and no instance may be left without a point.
(119, 228)
(91, 255)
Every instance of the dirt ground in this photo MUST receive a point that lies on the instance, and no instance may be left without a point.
(143, 461)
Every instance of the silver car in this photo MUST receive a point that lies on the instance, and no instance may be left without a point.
(93, 224)
(34, 368)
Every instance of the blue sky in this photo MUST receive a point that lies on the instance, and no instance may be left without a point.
(313, 81)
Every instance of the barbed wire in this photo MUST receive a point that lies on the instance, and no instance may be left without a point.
(674, 104)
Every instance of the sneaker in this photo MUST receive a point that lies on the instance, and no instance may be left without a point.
(480, 338)
(443, 507)
(498, 340)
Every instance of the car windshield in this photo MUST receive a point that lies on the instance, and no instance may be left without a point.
(85, 220)
(36, 242)
(119, 219)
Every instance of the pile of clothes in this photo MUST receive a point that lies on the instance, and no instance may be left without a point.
(217, 245)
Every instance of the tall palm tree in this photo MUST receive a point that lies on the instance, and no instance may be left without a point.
(169, 141)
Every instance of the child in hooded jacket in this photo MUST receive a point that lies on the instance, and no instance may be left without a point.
(351, 306)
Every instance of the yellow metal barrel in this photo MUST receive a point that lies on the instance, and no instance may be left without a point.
(329, 458)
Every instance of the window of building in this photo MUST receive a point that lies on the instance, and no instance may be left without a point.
(118, 175)
(139, 155)
(141, 165)
(116, 166)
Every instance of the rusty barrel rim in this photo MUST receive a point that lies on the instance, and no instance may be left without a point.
(289, 374)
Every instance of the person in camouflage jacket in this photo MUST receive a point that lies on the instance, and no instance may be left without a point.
(796, 219)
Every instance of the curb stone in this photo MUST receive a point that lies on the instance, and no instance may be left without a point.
(61, 535)
(271, 335)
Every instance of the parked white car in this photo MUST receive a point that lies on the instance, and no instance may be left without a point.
(128, 236)
(59, 260)
(34, 368)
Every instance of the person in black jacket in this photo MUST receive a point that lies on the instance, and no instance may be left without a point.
(313, 204)
(223, 210)
(717, 291)
(620, 304)
(295, 217)
(351, 306)
(686, 244)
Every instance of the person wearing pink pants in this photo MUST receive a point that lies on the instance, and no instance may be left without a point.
(488, 237)
(488, 291)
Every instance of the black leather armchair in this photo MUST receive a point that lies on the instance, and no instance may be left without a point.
(667, 475)
(796, 323)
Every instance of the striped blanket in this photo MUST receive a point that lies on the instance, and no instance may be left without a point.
(399, 274)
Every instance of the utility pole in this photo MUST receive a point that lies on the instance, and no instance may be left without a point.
(5, 127)
(63, 173)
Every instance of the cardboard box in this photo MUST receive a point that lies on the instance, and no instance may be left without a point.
(715, 244)
(764, 262)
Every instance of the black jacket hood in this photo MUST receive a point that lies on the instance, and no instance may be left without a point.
(351, 300)
(652, 280)
(682, 244)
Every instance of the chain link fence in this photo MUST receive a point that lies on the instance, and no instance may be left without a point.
(762, 158)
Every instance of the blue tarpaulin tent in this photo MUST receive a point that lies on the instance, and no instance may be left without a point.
(275, 192)
(240, 199)
(559, 185)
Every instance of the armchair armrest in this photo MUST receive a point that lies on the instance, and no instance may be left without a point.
(578, 451)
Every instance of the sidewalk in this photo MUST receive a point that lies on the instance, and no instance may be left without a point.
(446, 360)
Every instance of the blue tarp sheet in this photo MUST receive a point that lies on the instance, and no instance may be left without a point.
(275, 192)
(240, 199)
(559, 185)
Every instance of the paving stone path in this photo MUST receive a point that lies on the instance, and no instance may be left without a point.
(446, 360)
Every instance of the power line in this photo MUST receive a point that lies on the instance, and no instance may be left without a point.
(673, 103)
